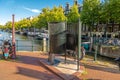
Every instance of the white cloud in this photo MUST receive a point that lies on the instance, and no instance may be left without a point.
(32, 10)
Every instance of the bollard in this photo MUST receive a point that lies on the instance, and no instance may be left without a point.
(51, 58)
(32, 45)
(17, 45)
(44, 44)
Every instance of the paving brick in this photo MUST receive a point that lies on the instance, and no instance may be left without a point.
(26, 67)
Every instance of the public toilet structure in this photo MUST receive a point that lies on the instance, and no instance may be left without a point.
(63, 37)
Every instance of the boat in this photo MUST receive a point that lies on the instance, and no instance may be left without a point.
(33, 33)
(41, 36)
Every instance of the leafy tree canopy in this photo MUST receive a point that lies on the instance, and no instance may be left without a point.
(73, 15)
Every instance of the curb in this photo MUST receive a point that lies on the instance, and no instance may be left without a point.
(59, 73)
(54, 70)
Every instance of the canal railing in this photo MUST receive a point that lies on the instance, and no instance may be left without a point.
(28, 45)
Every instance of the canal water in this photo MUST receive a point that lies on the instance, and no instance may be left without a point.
(23, 43)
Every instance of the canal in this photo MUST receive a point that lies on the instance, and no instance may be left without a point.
(23, 43)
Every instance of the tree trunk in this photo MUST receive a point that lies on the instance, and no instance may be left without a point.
(112, 26)
(105, 30)
(91, 40)
(119, 30)
(119, 27)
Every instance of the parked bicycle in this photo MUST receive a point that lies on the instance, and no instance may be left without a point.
(6, 49)
(74, 53)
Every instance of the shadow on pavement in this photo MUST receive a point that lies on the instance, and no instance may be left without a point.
(31, 60)
(111, 70)
(28, 60)
(36, 74)
(90, 79)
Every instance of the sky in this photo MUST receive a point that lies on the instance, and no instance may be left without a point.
(26, 8)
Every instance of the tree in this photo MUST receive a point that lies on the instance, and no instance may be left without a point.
(34, 22)
(56, 15)
(73, 15)
(91, 12)
(51, 15)
(16, 25)
(24, 23)
(8, 25)
(114, 10)
(2, 27)
(43, 17)
(110, 12)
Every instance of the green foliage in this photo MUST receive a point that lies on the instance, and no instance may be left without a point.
(56, 15)
(90, 12)
(8, 25)
(16, 25)
(95, 12)
(73, 15)
(34, 22)
(43, 17)
(114, 10)
(103, 13)
(24, 23)
(2, 27)
(51, 15)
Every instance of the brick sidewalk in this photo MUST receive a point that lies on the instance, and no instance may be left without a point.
(28, 67)
(52, 68)
(100, 71)
(94, 72)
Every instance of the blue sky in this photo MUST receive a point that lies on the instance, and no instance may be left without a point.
(26, 8)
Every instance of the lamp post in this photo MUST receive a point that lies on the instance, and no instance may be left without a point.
(13, 39)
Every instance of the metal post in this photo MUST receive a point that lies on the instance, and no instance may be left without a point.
(65, 57)
(119, 65)
(32, 45)
(17, 45)
(66, 41)
(13, 38)
(44, 44)
(79, 45)
(34, 32)
(49, 43)
(96, 51)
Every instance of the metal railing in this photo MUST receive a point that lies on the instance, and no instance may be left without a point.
(28, 45)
